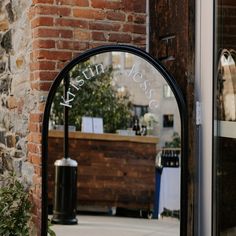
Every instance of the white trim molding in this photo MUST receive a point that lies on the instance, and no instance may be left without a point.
(204, 94)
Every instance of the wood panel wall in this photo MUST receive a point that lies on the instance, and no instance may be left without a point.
(110, 173)
(172, 41)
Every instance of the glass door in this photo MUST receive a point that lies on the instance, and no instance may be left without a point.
(224, 141)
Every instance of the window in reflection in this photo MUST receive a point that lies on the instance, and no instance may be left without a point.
(117, 60)
(128, 60)
(168, 120)
(167, 91)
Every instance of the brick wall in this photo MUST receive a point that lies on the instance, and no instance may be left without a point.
(107, 168)
(61, 30)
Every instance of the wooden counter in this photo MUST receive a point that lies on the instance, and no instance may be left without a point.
(105, 137)
(113, 170)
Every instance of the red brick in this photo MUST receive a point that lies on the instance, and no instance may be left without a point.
(140, 39)
(139, 29)
(98, 36)
(130, 18)
(81, 46)
(134, 28)
(33, 127)
(89, 13)
(45, 32)
(36, 203)
(79, 3)
(104, 26)
(41, 86)
(34, 148)
(44, 86)
(34, 86)
(41, 21)
(116, 16)
(43, 43)
(35, 159)
(62, 44)
(41, 107)
(32, 76)
(119, 38)
(43, 65)
(98, 44)
(104, 4)
(52, 32)
(37, 170)
(82, 35)
(35, 138)
(137, 18)
(52, 10)
(36, 117)
(32, 12)
(42, 1)
(65, 33)
(52, 55)
(37, 180)
(72, 23)
(135, 6)
(60, 65)
(38, 189)
(45, 75)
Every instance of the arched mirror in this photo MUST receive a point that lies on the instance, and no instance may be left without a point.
(116, 116)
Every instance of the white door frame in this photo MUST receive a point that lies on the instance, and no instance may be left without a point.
(204, 94)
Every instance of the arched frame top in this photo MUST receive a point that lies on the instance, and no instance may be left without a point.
(181, 106)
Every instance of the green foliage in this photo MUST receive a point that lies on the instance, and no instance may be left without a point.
(97, 97)
(50, 231)
(15, 207)
(176, 141)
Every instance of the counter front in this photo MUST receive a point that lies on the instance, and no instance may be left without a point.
(113, 170)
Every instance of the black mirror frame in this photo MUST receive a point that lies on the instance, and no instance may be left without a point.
(183, 115)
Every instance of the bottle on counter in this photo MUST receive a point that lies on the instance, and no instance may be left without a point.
(143, 130)
(177, 158)
(136, 127)
(172, 159)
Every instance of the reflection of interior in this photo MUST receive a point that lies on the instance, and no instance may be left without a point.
(138, 86)
(116, 153)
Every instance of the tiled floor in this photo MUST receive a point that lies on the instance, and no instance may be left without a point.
(119, 226)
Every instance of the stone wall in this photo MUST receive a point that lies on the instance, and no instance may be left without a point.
(16, 98)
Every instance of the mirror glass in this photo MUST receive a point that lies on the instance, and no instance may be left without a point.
(124, 134)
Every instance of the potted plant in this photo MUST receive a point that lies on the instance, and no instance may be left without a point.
(15, 206)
